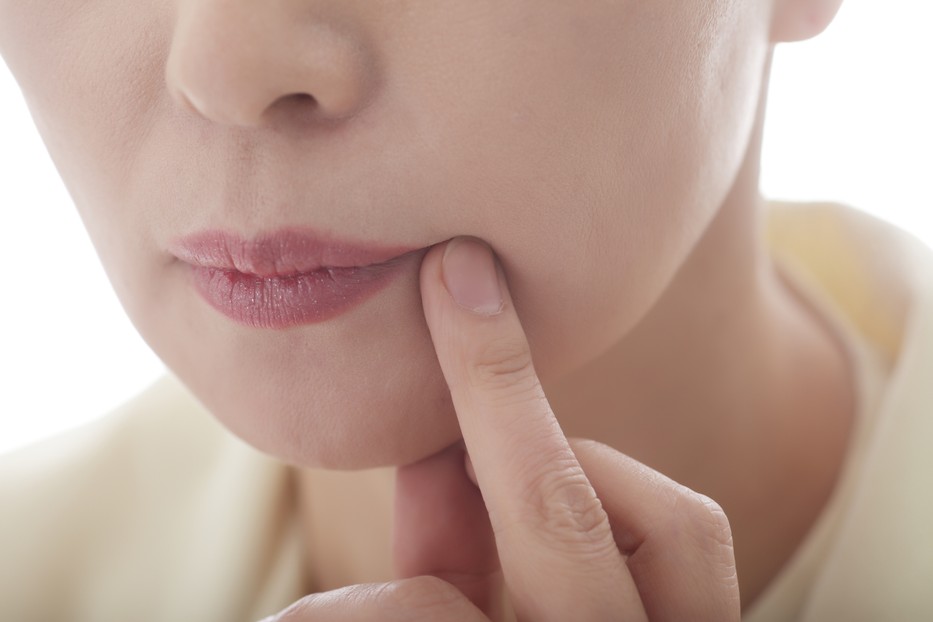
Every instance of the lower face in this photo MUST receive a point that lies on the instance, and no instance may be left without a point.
(584, 142)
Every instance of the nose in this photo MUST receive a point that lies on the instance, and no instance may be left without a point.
(237, 62)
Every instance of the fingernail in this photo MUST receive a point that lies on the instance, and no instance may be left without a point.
(470, 276)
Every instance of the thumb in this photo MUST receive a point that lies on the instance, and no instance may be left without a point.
(441, 528)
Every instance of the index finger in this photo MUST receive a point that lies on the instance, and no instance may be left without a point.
(552, 534)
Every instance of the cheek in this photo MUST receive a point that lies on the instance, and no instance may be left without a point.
(91, 76)
(598, 193)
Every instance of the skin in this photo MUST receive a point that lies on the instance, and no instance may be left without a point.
(608, 155)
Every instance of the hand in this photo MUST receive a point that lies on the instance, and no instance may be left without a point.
(574, 530)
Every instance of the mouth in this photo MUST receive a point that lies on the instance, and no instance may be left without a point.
(288, 277)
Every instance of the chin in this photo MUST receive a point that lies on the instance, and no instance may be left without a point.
(393, 420)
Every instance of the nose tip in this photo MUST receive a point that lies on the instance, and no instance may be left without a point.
(240, 62)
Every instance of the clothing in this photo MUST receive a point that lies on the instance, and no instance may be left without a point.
(869, 556)
(156, 512)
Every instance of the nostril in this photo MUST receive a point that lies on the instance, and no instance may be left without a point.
(300, 98)
(294, 106)
(297, 103)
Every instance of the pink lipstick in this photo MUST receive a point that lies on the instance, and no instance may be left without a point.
(288, 277)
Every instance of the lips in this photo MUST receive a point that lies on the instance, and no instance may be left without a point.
(287, 277)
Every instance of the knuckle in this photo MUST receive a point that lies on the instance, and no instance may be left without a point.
(562, 505)
(422, 598)
(714, 538)
(714, 520)
(502, 362)
(706, 523)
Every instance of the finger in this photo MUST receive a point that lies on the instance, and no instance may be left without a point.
(420, 599)
(678, 541)
(554, 540)
(441, 528)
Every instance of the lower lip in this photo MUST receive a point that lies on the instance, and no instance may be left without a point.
(284, 302)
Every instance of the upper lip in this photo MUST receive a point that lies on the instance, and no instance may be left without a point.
(281, 253)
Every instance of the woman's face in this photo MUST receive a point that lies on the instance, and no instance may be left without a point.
(589, 143)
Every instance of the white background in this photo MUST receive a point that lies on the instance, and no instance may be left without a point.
(849, 120)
